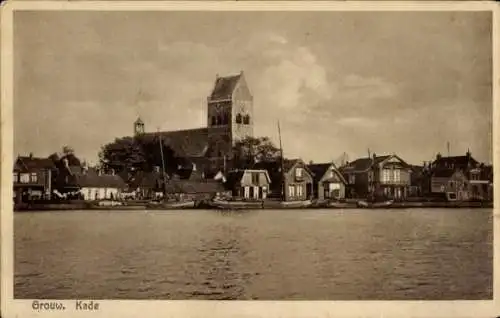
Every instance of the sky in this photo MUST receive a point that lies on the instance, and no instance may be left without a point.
(338, 82)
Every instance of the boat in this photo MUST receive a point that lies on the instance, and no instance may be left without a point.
(296, 204)
(340, 205)
(189, 204)
(375, 205)
(234, 205)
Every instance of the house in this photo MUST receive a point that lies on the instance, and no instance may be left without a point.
(479, 176)
(95, 185)
(450, 184)
(291, 180)
(385, 176)
(32, 178)
(248, 183)
(329, 183)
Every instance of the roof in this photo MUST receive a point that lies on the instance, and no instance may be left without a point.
(139, 121)
(457, 161)
(194, 187)
(185, 143)
(235, 176)
(319, 170)
(94, 180)
(34, 163)
(443, 173)
(363, 164)
(273, 168)
(224, 87)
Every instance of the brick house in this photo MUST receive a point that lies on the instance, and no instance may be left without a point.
(297, 183)
(32, 178)
(385, 176)
(329, 183)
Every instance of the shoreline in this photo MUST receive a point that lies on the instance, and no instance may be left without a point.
(86, 206)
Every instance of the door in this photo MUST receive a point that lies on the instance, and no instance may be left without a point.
(309, 189)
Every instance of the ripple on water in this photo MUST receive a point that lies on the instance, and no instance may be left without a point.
(267, 255)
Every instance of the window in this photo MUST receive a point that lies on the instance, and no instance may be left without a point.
(214, 121)
(298, 172)
(255, 178)
(238, 119)
(246, 120)
(386, 175)
(397, 175)
(219, 120)
(16, 177)
(332, 174)
(291, 190)
(34, 177)
(298, 189)
(25, 178)
(352, 179)
(225, 119)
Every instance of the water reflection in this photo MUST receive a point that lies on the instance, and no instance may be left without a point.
(267, 255)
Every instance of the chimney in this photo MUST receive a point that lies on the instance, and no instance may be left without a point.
(374, 156)
(31, 155)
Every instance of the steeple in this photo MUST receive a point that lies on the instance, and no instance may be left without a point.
(138, 127)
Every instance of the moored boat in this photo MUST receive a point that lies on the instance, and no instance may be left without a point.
(172, 205)
(340, 205)
(375, 205)
(296, 204)
(234, 205)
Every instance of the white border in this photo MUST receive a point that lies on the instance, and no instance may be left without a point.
(22, 308)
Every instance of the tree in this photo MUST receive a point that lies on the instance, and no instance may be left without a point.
(122, 154)
(250, 150)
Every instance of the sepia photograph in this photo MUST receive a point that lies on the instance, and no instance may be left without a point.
(285, 155)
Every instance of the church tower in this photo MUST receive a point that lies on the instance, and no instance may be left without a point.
(229, 114)
(138, 127)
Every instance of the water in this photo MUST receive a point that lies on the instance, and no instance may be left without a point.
(267, 255)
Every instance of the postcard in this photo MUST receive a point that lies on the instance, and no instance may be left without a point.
(249, 159)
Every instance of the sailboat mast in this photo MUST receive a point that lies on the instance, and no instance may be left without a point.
(163, 166)
(282, 164)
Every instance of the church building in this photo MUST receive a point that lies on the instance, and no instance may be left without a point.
(229, 118)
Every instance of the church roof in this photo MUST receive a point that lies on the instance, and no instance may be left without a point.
(224, 87)
(185, 143)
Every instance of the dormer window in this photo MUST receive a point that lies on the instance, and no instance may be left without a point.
(298, 172)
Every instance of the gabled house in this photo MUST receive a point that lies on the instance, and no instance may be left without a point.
(450, 184)
(32, 178)
(95, 185)
(477, 175)
(291, 180)
(385, 176)
(329, 183)
(248, 184)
